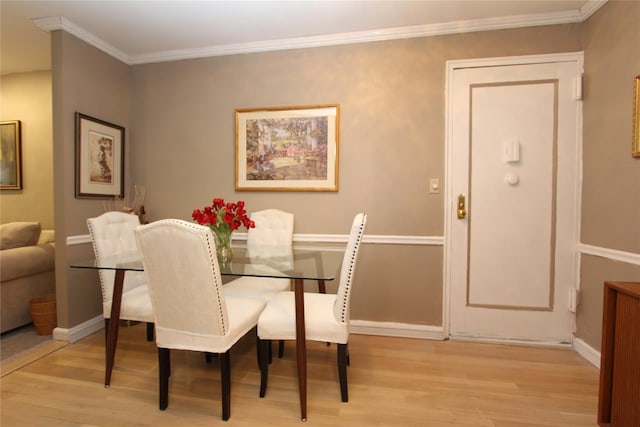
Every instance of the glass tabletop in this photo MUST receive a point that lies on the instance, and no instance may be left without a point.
(311, 262)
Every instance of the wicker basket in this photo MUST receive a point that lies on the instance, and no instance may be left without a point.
(43, 313)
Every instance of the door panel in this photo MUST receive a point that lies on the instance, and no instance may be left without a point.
(512, 165)
(514, 150)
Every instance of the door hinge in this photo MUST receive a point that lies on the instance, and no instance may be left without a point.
(573, 300)
(578, 83)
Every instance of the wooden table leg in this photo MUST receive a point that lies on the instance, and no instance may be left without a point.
(114, 324)
(321, 287)
(301, 346)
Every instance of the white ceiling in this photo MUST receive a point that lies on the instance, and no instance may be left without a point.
(151, 31)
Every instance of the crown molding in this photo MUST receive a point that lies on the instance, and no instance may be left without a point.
(429, 30)
(397, 33)
(54, 23)
(590, 8)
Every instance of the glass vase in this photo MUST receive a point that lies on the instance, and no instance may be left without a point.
(223, 246)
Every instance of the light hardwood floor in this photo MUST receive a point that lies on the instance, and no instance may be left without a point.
(392, 382)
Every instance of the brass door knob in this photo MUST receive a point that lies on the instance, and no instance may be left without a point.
(462, 210)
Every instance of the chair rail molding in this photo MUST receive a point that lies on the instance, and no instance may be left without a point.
(321, 238)
(612, 254)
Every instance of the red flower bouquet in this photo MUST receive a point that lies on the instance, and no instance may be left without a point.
(223, 218)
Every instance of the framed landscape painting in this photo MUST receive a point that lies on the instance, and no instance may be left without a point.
(99, 158)
(11, 155)
(287, 148)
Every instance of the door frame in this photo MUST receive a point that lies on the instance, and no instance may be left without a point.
(450, 203)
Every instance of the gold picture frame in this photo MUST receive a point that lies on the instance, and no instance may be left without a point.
(287, 148)
(635, 145)
(11, 155)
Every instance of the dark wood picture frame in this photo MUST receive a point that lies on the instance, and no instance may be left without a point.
(99, 158)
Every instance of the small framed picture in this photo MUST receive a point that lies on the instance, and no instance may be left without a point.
(11, 156)
(287, 148)
(99, 158)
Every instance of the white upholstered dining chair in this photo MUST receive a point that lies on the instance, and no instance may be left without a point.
(326, 315)
(191, 311)
(112, 233)
(273, 231)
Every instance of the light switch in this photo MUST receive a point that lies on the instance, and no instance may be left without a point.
(512, 151)
(434, 186)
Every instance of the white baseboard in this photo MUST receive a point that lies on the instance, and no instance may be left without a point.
(392, 329)
(578, 345)
(511, 341)
(585, 350)
(80, 331)
(364, 327)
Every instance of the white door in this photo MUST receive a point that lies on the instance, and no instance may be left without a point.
(512, 148)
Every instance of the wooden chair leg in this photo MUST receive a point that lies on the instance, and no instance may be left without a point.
(225, 379)
(150, 327)
(264, 365)
(259, 351)
(348, 358)
(106, 331)
(342, 371)
(164, 364)
(281, 349)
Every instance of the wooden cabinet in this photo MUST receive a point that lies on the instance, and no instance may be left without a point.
(619, 399)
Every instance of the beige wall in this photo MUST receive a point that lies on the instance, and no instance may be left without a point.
(391, 97)
(27, 97)
(180, 145)
(611, 192)
(91, 82)
(611, 177)
(595, 271)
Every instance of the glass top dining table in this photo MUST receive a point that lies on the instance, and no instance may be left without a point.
(316, 262)
(307, 262)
